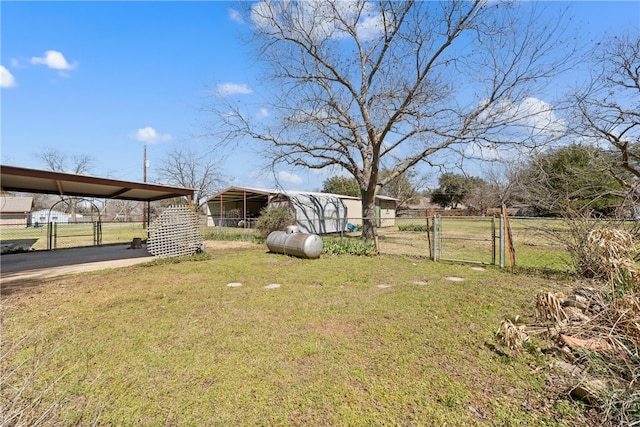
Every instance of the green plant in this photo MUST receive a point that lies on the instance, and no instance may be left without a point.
(348, 246)
(273, 219)
(200, 256)
(413, 227)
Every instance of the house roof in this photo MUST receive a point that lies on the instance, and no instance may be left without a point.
(12, 204)
(66, 184)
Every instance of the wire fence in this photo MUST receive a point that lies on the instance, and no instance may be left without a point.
(60, 235)
(537, 242)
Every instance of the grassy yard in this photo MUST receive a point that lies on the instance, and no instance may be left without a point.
(347, 340)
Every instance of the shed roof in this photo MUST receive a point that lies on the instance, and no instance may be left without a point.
(236, 194)
(14, 178)
(13, 204)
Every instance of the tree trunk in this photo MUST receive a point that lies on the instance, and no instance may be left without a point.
(369, 216)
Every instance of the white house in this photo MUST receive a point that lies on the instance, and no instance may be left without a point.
(45, 216)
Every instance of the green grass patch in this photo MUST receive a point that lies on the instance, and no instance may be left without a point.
(413, 227)
(76, 235)
(347, 245)
(172, 344)
(231, 234)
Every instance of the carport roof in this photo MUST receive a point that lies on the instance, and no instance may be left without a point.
(14, 178)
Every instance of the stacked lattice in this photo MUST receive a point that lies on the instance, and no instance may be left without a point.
(176, 232)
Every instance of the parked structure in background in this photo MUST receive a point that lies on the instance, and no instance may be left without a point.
(45, 216)
(314, 212)
(14, 211)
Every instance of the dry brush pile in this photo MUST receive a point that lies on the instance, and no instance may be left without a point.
(595, 330)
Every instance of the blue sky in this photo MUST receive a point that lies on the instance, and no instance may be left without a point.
(104, 78)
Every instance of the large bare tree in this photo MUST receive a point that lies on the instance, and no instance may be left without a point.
(187, 168)
(609, 109)
(364, 86)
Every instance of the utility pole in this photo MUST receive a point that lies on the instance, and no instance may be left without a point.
(145, 205)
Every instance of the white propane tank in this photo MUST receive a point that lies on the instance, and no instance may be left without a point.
(289, 242)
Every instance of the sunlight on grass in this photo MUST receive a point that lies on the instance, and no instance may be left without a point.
(171, 343)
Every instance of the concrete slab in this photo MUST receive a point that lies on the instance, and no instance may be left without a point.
(40, 264)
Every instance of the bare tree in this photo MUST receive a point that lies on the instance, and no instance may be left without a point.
(364, 85)
(189, 169)
(403, 187)
(609, 109)
(58, 161)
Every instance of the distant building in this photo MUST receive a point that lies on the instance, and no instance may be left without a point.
(45, 216)
(14, 211)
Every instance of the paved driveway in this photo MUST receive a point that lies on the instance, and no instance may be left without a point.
(40, 264)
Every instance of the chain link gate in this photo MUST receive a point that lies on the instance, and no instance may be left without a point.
(477, 240)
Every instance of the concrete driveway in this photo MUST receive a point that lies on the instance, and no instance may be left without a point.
(40, 264)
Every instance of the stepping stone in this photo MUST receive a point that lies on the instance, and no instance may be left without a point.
(479, 268)
(234, 285)
(272, 286)
(454, 279)
(420, 282)
(384, 286)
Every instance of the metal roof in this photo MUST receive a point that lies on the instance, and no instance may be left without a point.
(237, 194)
(11, 204)
(66, 184)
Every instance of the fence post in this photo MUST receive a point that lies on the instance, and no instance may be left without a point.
(501, 241)
(493, 240)
(49, 235)
(435, 240)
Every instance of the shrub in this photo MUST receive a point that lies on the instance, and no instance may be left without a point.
(413, 227)
(273, 219)
(348, 246)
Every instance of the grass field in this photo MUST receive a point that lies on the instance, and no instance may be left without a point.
(387, 340)
(75, 235)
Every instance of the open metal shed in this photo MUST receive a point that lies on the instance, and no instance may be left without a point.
(317, 213)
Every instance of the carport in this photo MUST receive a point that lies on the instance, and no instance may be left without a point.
(19, 179)
(66, 184)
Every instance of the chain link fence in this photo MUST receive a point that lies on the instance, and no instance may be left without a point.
(538, 243)
(59, 235)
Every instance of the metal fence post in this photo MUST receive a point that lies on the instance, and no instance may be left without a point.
(49, 235)
(435, 239)
(493, 240)
(502, 241)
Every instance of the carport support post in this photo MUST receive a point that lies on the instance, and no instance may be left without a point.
(244, 209)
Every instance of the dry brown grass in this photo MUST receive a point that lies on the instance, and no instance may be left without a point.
(598, 327)
(514, 335)
(612, 255)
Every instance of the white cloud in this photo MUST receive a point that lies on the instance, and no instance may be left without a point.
(541, 115)
(150, 136)
(54, 59)
(6, 78)
(227, 89)
(316, 18)
(534, 114)
(264, 112)
(234, 15)
(289, 178)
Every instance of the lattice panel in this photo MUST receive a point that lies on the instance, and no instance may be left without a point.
(176, 232)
